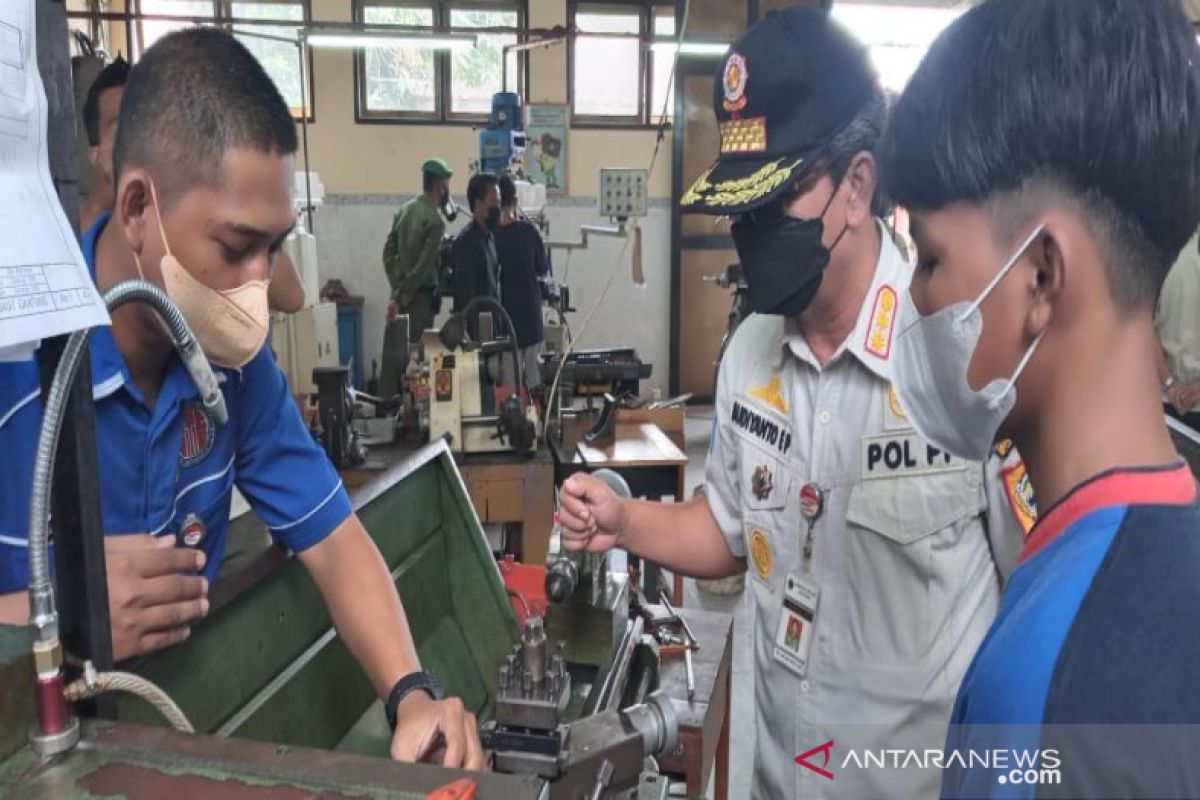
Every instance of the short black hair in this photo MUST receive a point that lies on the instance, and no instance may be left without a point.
(478, 186)
(113, 76)
(193, 96)
(1093, 101)
(861, 134)
(508, 190)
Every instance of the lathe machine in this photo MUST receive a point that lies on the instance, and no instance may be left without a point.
(574, 702)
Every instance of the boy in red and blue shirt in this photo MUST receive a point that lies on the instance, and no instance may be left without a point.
(1049, 152)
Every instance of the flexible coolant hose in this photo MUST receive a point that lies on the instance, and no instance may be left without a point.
(42, 613)
(95, 683)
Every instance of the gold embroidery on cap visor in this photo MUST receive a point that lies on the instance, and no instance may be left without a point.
(740, 191)
(744, 135)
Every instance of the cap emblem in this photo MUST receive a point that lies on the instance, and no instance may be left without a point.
(734, 82)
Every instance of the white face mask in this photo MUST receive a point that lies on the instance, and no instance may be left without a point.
(933, 354)
(231, 326)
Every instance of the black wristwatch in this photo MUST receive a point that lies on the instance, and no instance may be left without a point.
(416, 681)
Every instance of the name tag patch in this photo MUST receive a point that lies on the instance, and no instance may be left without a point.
(761, 428)
(895, 455)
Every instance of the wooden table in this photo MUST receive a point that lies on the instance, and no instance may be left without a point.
(647, 458)
(704, 722)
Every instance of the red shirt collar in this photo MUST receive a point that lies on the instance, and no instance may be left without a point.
(1170, 485)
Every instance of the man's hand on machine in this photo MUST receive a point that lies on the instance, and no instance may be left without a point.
(590, 514)
(437, 731)
(154, 597)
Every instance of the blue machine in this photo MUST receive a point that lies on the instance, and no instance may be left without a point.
(504, 139)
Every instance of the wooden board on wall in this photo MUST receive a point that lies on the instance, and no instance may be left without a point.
(705, 247)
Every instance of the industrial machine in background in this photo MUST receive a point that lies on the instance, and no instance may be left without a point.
(468, 405)
(335, 415)
(502, 143)
(591, 373)
(611, 374)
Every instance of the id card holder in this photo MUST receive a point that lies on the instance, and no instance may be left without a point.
(797, 618)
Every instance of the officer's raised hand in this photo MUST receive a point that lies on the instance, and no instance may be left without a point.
(592, 516)
(154, 595)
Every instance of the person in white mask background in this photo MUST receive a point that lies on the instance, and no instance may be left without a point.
(874, 559)
(1049, 154)
(203, 165)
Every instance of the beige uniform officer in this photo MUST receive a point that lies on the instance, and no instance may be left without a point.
(906, 559)
(875, 560)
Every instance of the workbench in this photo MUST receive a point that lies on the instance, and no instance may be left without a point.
(650, 462)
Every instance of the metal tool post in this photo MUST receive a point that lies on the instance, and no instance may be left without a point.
(599, 755)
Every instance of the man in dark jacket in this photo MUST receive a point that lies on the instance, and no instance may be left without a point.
(473, 255)
(522, 263)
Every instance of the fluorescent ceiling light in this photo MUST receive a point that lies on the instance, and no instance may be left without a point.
(692, 48)
(376, 37)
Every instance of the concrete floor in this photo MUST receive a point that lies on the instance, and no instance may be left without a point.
(741, 749)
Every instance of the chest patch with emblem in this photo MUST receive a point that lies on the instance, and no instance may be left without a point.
(894, 455)
(762, 483)
(1019, 489)
(191, 532)
(760, 553)
(199, 431)
(771, 394)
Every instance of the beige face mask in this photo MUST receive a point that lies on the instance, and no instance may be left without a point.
(230, 325)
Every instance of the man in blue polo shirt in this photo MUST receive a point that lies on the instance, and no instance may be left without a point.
(203, 164)
(1049, 153)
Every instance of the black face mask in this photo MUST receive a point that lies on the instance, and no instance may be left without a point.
(782, 258)
(493, 219)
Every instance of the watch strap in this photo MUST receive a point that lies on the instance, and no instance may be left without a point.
(415, 681)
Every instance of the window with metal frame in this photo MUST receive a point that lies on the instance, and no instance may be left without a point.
(615, 78)
(405, 83)
(266, 18)
(896, 35)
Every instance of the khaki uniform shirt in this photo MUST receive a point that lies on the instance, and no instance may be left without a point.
(909, 553)
(1178, 314)
(410, 253)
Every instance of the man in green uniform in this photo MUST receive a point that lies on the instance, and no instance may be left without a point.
(410, 259)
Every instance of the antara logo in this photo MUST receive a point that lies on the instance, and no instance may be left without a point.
(825, 750)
